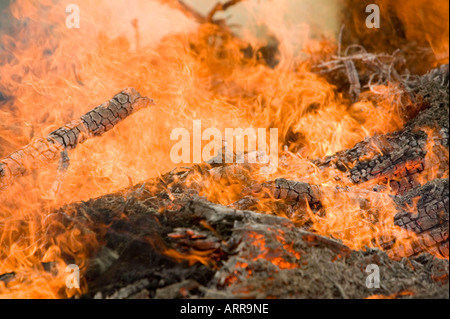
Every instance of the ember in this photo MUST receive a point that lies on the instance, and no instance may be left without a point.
(321, 162)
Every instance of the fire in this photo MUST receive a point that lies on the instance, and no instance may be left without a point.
(393, 296)
(436, 153)
(51, 74)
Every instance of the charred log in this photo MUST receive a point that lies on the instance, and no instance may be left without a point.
(157, 255)
(291, 191)
(94, 123)
(425, 211)
(398, 157)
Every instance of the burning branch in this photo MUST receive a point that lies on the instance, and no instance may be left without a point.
(401, 156)
(94, 123)
(428, 217)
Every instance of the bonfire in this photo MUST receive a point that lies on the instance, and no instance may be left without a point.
(234, 149)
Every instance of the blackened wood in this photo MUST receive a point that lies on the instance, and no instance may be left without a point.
(94, 123)
(400, 156)
(425, 211)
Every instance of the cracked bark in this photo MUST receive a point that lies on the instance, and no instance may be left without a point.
(423, 210)
(94, 123)
(298, 194)
(399, 157)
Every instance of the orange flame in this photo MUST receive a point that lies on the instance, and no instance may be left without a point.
(52, 74)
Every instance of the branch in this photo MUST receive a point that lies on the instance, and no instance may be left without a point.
(221, 7)
(94, 123)
(424, 210)
(190, 12)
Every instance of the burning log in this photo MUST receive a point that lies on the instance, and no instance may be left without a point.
(94, 123)
(400, 156)
(297, 200)
(302, 195)
(428, 217)
(425, 211)
(153, 257)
